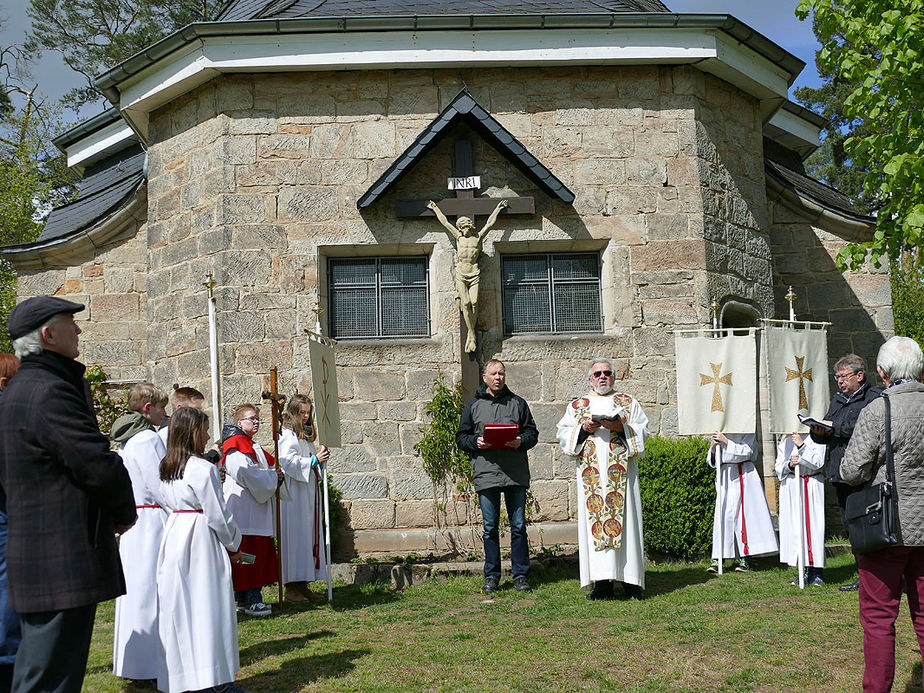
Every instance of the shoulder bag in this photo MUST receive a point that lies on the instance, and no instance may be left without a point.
(872, 512)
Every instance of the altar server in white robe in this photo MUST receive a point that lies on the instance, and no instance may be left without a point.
(609, 503)
(741, 510)
(198, 621)
(304, 557)
(135, 628)
(802, 505)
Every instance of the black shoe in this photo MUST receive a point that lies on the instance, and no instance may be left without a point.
(603, 589)
(852, 587)
(633, 591)
(490, 586)
(520, 584)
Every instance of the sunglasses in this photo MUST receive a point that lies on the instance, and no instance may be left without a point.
(597, 374)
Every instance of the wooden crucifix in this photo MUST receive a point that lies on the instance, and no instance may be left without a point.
(465, 207)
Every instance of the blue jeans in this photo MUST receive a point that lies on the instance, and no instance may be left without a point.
(515, 498)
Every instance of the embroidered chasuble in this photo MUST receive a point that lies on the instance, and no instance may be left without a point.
(608, 499)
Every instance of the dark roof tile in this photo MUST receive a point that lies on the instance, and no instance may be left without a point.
(266, 9)
(464, 107)
(105, 187)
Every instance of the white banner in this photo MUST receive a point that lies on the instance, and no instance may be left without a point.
(797, 374)
(324, 389)
(716, 382)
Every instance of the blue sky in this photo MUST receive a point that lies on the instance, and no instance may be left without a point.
(774, 18)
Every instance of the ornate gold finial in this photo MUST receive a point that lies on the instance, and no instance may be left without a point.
(210, 284)
(317, 310)
(714, 307)
(791, 297)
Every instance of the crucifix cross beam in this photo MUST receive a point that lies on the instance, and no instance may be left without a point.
(464, 182)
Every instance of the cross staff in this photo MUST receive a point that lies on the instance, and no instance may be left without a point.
(276, 402)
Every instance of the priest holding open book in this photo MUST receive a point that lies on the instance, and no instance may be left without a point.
(605, 432)
(496, 430)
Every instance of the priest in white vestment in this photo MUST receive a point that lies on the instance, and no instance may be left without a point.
(802, 505)
(741, 526)
(606, 431)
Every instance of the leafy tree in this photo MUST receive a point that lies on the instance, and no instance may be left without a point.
(94, 36)
(875, 47)
(33, 174)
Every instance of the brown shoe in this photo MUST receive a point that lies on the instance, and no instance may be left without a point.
(294, 593)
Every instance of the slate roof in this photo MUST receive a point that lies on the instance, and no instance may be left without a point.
(464, 108)
(238, 10)
(786, 167)
(106, 186)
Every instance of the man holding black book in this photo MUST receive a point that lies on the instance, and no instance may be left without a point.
(496, 430)
(855, 393)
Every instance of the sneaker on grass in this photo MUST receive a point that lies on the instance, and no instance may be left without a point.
(258, 609)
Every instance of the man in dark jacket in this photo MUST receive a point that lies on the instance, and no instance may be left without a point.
(497, 469)
(67, 497)
(854, 394)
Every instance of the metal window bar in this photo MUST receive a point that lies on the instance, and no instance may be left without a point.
(379, 297)
(570, 285)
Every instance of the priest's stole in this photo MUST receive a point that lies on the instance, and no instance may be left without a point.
(797, 374)
(716, 381)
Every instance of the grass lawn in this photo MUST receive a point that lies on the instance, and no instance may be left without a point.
(694, 632)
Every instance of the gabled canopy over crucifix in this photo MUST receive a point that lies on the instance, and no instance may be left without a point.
(465, 207)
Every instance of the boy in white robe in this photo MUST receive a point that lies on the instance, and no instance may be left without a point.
(251, 479)
(802, 505)
(742, 517)
(135, 630)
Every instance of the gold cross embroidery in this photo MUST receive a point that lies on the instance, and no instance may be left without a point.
(714, 381)
(802, 376)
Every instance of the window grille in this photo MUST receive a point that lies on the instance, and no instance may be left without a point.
(378, 297)
(551, 293)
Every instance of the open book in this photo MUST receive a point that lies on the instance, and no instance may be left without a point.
(813, 423)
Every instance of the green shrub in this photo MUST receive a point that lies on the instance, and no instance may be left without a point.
(678, 496)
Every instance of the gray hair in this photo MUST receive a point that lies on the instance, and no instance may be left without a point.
(590, 368)
(31, 342)
(900, 358)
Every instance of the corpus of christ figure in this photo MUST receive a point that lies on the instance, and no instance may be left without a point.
(468, 250)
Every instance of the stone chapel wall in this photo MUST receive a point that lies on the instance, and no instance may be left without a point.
(111, 282)
(256, 179)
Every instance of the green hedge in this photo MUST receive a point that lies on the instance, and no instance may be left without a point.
(678, 496)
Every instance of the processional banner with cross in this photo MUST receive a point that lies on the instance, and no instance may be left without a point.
(797, 372)
(716, 381)
(324, 387)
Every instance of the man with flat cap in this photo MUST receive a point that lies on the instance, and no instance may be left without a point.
(67, 496)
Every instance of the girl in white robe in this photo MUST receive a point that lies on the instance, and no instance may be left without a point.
(742, 516)
(304, 556)
(197, 616)
(802, 505)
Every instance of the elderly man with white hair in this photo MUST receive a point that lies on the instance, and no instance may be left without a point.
(900, 364)
(606, 431)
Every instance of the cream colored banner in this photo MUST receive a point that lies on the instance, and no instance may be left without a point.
(324, 389)
(716, 382)
(797, 374)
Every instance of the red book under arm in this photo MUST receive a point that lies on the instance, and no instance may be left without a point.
(496, 435)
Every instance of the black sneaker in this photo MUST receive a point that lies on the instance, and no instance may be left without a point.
(603, 589)
(850, 587)
(633, 591)
(520, 584)
(490, 586)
